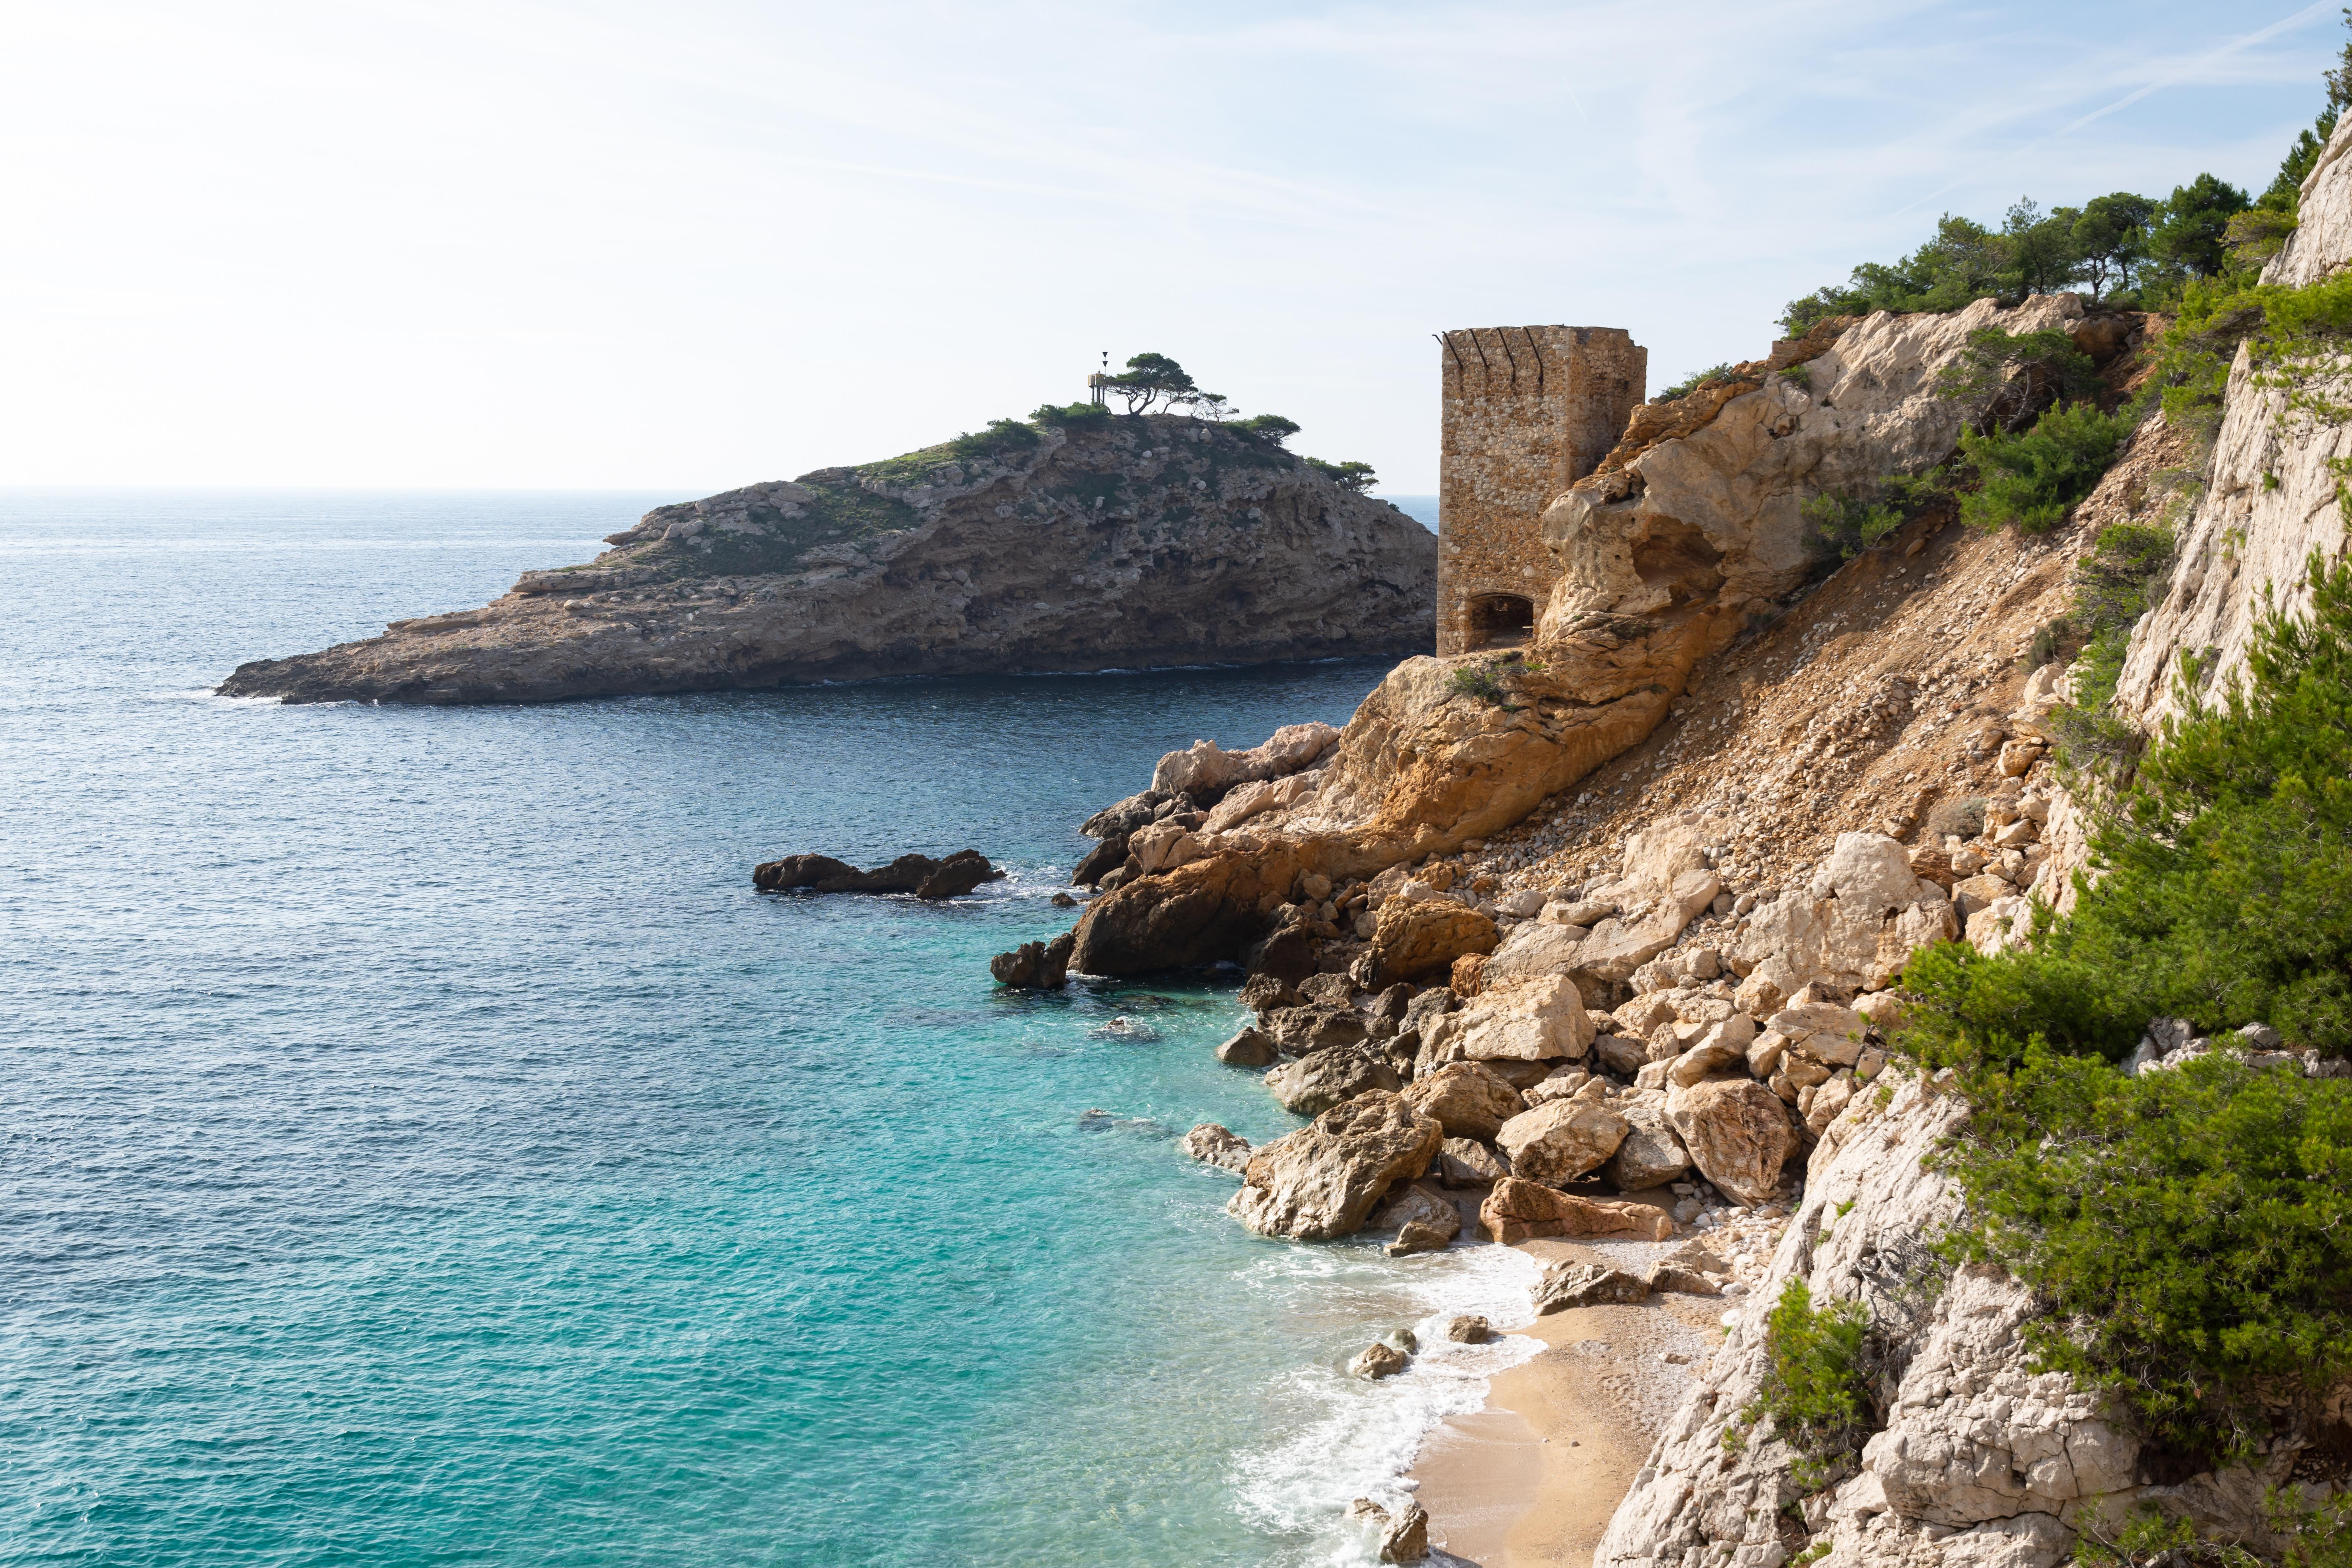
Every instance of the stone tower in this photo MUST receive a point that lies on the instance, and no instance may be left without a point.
(1527, 412)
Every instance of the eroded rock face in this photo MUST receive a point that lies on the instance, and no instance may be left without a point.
(1712, 515)
(1738, 1134)
(1323, 1180)
(928, 564)
(1981, 1460)
(1414, 941)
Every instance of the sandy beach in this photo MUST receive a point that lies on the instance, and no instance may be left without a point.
(1530, 1482)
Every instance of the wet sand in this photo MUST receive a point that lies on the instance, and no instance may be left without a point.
(1531, 1481)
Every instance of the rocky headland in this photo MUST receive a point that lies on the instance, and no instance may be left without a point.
(1099, 543)
(1601, 940)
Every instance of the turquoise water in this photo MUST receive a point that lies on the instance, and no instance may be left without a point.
(424, 1147)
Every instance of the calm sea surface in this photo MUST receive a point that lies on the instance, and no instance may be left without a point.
(422, 1145)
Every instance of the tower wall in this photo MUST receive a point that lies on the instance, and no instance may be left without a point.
(1525, 413)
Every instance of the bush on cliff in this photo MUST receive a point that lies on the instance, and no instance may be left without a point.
(2188, 1228)
(2191, 1230)
(1003, 439)
(1349, 476)
(2226, 897)
(2030, 478)
(1071, 417)
(1814, 1389)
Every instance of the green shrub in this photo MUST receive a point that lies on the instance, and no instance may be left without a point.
(2009, 375)
(2226, 897)
(1478, 680)
(1003, 439)
(2031, 478)
(1846, 525)
(1694, 381)
(2191, 1230)
(1071, 417)
(1271, 427)
(1798, 376)
(2319, 1536)
(1350, 476)
(1813, 1387)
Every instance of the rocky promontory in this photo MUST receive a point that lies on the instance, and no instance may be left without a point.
(1094, 543)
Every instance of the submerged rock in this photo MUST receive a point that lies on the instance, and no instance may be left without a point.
(1214, 1145)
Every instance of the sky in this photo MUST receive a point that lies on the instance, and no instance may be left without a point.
(695, 244)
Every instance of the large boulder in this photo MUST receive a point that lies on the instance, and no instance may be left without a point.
(1324, 1180)
(1034, 966)
(1314, 1026)
(1737, 1133)
(1424, 1221)
(1870, 872)
(1463, 1163)
(1562, 1139)
(1412, 941)
(1519, 1211)
(1469, 1099)
(1651, 1155)
(1213, 1143)
(1206, 769)
(1532, 951)
(1252, 1048)
(1321, 1079)
(1544, 1021)
(1567, 1286)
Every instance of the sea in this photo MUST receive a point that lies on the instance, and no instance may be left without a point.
(424, 1146)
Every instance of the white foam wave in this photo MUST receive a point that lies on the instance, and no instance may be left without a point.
(1331, 1438)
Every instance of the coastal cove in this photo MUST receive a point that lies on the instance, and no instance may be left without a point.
(426, 1145)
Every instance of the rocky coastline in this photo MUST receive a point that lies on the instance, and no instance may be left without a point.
(1123, 542)
(1595, 947)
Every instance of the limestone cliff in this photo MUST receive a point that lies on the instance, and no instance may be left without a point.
(2270, 496)
(1152, 540)
(1975, 1458)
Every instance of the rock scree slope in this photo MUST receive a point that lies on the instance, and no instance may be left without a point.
(1149, 540)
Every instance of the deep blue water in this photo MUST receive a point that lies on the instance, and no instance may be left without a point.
(423, 1146)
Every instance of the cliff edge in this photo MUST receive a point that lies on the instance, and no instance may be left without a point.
(1145, 539)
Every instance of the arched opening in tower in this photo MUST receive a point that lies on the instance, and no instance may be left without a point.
(1500, 620)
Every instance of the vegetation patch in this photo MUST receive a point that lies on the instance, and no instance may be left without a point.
(1815, 1391)
(2190, 1230)
(1481, 682)
(2031, 478)
(1696, 380)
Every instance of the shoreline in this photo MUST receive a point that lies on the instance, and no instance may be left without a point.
(1533, 1479)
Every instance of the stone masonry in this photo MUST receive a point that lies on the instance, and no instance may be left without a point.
(1527, 412)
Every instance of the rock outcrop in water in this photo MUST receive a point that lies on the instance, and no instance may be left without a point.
(1153, 540)
(920, 874)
